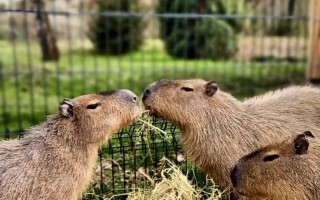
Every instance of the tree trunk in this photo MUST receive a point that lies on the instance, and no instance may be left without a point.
(313, 69)
(50, 51)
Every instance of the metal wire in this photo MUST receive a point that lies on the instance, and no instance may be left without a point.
(160, 15)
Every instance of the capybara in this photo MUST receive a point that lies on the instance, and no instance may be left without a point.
(217, 129)
(55, 159)
(285, 170)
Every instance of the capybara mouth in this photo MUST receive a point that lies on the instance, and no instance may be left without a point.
(241, 192)
(152, 112)
(136, 118)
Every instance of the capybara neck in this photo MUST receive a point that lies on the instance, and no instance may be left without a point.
(58, 132)
(226, 121)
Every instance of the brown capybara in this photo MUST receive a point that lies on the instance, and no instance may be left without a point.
(217, 129)
(287, 170)
(55, 160)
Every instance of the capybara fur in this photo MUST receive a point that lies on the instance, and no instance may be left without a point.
(217, 129)
(285, 170)
(55, 160)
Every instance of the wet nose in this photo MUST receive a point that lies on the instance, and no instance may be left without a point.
(233, 175)
(146, 94)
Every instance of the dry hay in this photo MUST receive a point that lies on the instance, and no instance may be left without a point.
(174, 185)
(147, 126)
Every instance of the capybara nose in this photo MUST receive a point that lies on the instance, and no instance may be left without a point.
(146, 94)
(129, 95)
(234, 176)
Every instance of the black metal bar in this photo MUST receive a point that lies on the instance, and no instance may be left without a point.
(70, 59)
(4, 103)
(101, 174)
(16, 68)
(166, 15)
(30, 64)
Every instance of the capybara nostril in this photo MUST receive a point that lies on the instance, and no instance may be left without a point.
(233, 175)
(146, 94)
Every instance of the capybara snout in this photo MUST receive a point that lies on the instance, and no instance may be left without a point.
(128, 96)
(146, 94)
(152, 88)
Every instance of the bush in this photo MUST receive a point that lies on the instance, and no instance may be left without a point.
(116, 35)
(194, 38)
(229, 7)
(212, 39)
(222, 42)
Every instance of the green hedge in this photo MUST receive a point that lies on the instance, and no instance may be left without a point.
(194, 38)
(116, 35)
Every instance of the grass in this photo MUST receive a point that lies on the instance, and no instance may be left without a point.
(31, 89)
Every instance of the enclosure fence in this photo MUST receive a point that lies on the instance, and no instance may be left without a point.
(57, 49)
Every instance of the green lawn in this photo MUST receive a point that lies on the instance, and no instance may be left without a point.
(31, 89)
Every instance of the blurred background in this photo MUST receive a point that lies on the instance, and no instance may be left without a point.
(54, 49)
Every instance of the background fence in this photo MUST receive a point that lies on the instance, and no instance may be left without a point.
(64, 48)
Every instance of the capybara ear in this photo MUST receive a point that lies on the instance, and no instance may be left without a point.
(211, 88)
(308, 133)
(301, 144)
(66, 108)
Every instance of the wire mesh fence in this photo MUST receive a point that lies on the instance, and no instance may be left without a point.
(50, 50)
(132, 154)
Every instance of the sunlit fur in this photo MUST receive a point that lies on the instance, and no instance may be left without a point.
(218, 130)
(55, 160)
(289, 177)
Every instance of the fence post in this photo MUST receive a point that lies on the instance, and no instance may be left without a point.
(313, 68)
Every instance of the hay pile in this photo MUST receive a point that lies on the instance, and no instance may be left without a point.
(176, 186)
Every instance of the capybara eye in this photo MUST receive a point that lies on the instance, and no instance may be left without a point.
(187, 89)
(270, 158)
(93, 106)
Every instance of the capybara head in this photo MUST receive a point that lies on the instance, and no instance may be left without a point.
(278, 171)
(180, 100)
(97, 116)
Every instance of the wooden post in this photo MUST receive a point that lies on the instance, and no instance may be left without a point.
(313, 69)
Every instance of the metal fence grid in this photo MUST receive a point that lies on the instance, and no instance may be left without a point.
(132, 152)
(31, 88)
